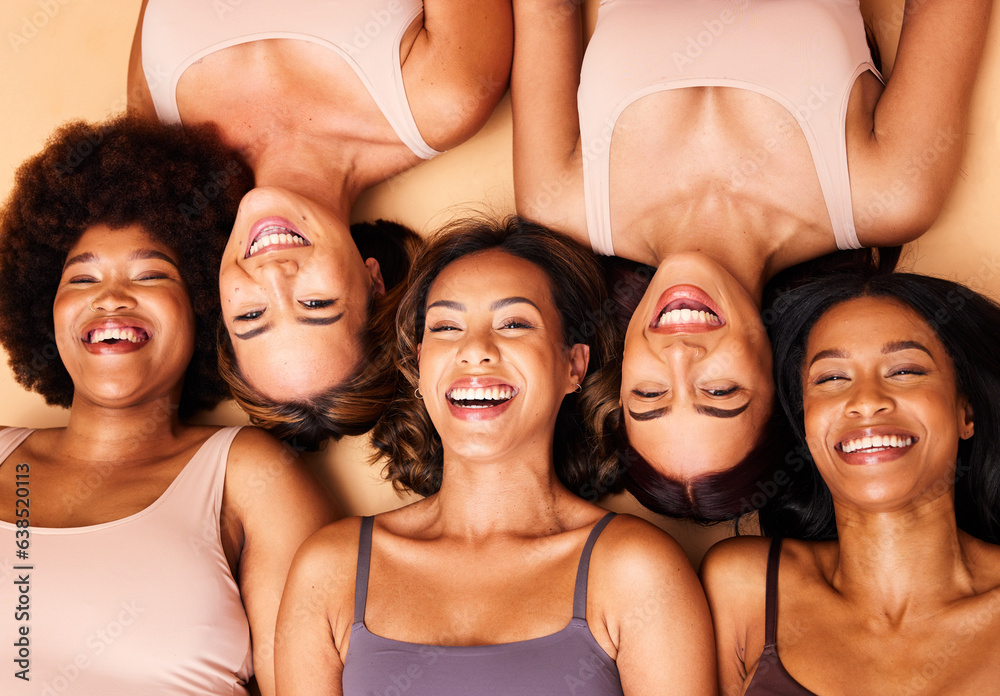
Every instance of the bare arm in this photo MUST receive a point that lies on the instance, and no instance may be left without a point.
(278, 504)
(140, 102)
(317, 612)
(458, 68)
(548, 170)
(733, 574)
(655, 612)
(915, 146)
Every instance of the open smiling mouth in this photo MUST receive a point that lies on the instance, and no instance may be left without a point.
(875, 443)
(129, 334)
(481, 397)
(274, 234)
(688, 313)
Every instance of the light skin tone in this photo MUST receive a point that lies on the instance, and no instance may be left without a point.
(903, 588)
(124, 431)
(671, 189)
(458, 556)
(316, 140)
(694, 399)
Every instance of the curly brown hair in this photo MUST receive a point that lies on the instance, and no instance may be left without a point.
(182, 187)
(355, 405)
(405, 436)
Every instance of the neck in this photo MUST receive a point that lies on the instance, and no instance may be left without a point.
(301, 168)
(892, 563)
(518, 495)
(97, 433)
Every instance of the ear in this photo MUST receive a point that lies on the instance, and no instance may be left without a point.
(579, 357)
(375, 271)
(419, 346)
(968, 427)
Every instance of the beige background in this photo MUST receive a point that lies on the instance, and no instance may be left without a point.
(66, 59)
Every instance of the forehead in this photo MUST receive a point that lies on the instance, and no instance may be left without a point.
(492, 273)
(104, 240)
(870, 322)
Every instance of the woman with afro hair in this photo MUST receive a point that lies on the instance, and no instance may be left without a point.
(130, 522)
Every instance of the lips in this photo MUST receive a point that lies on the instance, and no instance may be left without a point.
(875, 445)
(112, 336)
(273, 234)
(685, 309)
(479, 398)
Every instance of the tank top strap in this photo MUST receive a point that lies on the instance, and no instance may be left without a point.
(583, 571)
(10, 439)
(771, 596)
(364, 560)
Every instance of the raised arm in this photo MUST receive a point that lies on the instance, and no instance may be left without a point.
(654, 610)
(548, 170)
(140, 102)
(277, 504)
(918, 130)
(458, 68)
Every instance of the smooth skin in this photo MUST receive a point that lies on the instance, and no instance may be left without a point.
(904, 600)
(316, 140)
(125, 434)
(491, 558)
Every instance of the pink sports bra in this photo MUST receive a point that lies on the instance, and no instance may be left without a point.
(144, 605)
(366, 34)
(804, 54)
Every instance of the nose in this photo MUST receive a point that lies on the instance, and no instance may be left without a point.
(868, 398)
(478, 347)
(682, 352)
(278, 268)
(112, 298)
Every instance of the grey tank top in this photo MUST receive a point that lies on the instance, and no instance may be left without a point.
(569, 661)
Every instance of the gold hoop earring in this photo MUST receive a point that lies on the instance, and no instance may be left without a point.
(579, 388)
(416, 393)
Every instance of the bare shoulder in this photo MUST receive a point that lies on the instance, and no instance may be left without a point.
(735, 565)
(331, 549)
(632, 553)
(140, 101)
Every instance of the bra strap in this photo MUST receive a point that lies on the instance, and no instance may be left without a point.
(364, 560)
(582, 572)
(771, 596)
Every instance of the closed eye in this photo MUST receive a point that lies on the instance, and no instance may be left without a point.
(721, 392)
(249, 316)
(316, 304)
(648, 394)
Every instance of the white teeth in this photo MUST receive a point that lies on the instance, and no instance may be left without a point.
(118, 334)
(495, 393)
(876, 443)
(687, 316)
(276, 235)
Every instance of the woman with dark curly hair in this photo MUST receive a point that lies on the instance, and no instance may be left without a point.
(474, 586)
(326, 100)
(891, 382)
(153, 552)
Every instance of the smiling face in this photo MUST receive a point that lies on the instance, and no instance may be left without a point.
(883, 414)
(696, 372)
(295, 295)
(123, 320)
(493, 365)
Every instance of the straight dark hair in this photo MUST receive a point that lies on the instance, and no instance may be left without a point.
(966, 323)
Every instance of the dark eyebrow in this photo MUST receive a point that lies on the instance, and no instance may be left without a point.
(507, 301)
(320, 321)
(139, 255)
(896, 346)
(716, 412)
(829, 353)
(448, 304)
(649, 415)
(253, 333)
(713, 411)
